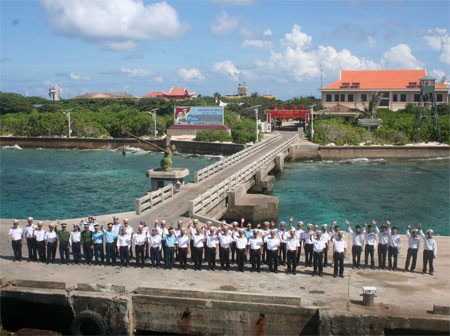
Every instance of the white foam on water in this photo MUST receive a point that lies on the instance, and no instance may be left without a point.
(12, 147)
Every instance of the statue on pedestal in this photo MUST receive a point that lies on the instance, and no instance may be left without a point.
(166, 162)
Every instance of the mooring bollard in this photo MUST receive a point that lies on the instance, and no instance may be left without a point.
(369, 296)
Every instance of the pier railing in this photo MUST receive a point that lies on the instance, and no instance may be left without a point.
(218, 166)
(153, 198)
(210, 199)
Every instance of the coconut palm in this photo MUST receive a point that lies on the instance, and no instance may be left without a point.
(370, 111)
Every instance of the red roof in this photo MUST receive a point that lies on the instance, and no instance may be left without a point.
(173, 93)
(200, 127)
(379, 79)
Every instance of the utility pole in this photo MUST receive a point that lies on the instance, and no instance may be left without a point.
(256, 117)
(312, 121)
(67, 113)
(153, 111)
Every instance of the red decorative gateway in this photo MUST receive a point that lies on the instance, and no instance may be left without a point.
(289, 114)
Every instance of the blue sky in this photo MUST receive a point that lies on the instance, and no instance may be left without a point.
(276, 47)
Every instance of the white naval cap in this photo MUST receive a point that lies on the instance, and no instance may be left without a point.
(15, 221)
(309, 225)
(430, 230)
(292, 230)
(30, 218)
(283, 222)
(324, 225)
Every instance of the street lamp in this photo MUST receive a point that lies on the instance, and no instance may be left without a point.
(256, 117)
(153, 111)
(67, 113)
(312, 121)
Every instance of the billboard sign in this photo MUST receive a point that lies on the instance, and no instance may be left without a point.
(198, 115)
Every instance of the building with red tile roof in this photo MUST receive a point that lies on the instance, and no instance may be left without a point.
(398, 87)
(173, 94)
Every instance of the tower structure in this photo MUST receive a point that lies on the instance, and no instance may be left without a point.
(426, 110)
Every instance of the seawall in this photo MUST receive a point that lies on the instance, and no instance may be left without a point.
(382, 152)
(192, 147)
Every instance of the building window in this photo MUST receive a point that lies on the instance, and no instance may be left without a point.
(416, 98)
(363, 97)
(328, 97)
(440, 97)
(336, 97)
(385, 95)
(350, 98)
(342, 97)
(394, 97)
(403, 98)
(384, 102)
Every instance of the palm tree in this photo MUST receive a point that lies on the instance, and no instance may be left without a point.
(370, 111)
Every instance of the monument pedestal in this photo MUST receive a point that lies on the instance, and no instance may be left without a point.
(158, 177)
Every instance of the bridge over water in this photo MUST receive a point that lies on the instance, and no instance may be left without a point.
(222, 187)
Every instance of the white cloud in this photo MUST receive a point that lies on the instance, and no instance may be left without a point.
(190, 74)
(158, 79)
(299, 60)
(370, 42)
(76, 77)
(135, 72)
(438, 74)
(400, 57)
(296, 38)
(439, 39)
(114, 24)
(223, 24)
(226, 68)
(262, 39)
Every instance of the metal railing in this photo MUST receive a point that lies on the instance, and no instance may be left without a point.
(153, 198)
(208, 200)
(218, 166)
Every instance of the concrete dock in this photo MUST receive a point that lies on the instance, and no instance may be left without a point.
(156, 299)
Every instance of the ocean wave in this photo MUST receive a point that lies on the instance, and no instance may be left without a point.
(12, 147)
(439, 158)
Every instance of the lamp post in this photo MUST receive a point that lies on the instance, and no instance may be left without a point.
(256, 117)
(67, 113)
(153, 111)
(312, 121)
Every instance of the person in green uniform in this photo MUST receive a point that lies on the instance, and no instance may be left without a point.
(63, 237)
(87, 242)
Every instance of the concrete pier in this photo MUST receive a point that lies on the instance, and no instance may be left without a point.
(128, 300)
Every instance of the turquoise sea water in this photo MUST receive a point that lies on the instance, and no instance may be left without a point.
(406, 192)
(51, 184)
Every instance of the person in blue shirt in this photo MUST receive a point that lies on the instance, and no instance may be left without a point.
(111, 241)
(97, 239)
(169, 249)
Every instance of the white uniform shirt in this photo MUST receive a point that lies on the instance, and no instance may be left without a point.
(117, 228)
(225, 240)
(75, 237)
(358, 238)
(282, 235)
(129, 230)
(325, 237)
(199, 240)
(264, 234)
(273, 243)
(155, 241)
(163, 232)
(139, 239)
(307, 237)
(299, 234)
(212, 241)
(371, 237)
(29, 229)
(413, 242)
(51, 237)
(192, 231)
(182, 241)
(255, 243)
(124, 240)
(339, 245)
(394, 241)
(319, 245)
(292, 244)
(429, 243)
(241, 242)
(146, 230)
(16, 233)
(383, 236)
(40, 235)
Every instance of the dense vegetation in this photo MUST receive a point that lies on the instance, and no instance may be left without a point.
(104, 118)
(397, 129)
